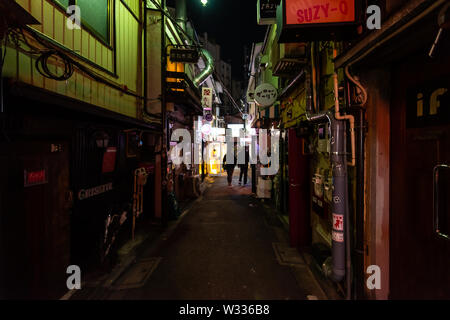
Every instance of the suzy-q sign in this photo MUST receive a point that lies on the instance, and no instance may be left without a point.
(319, 11)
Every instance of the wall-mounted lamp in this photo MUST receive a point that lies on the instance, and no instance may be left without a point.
(101, 139)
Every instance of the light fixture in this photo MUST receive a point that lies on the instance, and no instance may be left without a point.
(204, 2)
(101, 139)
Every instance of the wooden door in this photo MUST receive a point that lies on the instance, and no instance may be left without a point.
(420, 258)
(36, 202)
(299, 225)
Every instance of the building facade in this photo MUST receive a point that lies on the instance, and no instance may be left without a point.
(353, 116)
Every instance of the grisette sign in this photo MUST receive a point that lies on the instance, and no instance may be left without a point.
(89, 193)
(265, 95)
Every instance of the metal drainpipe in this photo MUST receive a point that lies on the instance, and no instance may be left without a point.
(339, 163)
(340, 183)
(209, 68)
(181, 15)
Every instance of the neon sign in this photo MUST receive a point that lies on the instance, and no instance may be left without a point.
(304, 12)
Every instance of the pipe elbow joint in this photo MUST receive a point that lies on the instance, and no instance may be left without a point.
(338, 275)
(207, 71)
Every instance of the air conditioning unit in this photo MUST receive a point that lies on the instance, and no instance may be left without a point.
(288, 59)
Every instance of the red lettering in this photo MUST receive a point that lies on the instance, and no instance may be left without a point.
(343, 7)
(316, 14)
(300, 19)
(308, 15)
(325, 9)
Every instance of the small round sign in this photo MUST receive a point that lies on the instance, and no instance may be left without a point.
(206, 129)
(265, 95)
(209, 117)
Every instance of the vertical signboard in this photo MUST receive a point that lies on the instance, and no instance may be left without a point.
(207, 98)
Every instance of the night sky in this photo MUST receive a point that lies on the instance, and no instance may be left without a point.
(231, 23)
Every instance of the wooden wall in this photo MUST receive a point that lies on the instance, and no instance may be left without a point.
(120, 61)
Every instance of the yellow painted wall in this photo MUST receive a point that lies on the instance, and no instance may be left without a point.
(21, 66)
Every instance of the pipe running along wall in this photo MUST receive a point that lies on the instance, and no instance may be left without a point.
(341, 263)
(207, 71)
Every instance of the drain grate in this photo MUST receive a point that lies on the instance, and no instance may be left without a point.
(137, 275)
(286, 255)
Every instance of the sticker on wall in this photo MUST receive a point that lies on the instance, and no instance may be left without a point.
(338, 236)
(109, 160)
(338, 222)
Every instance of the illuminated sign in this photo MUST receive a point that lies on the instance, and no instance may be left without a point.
(319, 11)
(185, 55)
(314, 20)
(207, 98)
(34, 178)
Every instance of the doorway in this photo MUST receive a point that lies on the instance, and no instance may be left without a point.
(420, 143)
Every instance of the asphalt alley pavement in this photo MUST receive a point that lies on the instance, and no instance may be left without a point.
(222, 249)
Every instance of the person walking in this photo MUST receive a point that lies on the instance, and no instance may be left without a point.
(229, 167)
(244, 167)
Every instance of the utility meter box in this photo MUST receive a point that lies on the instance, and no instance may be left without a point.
(324, 134)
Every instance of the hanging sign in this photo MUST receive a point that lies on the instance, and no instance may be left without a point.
(267, 11)
(209, 117)
(313, 20)
(265, 95)
(184, 55)
(305, 12)
(207, 98)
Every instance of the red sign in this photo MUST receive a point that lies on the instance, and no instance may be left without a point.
(109, 160)
(34, 178)
(304, 12)
(338, 222)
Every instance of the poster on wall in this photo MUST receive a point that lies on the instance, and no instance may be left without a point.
(109, 160)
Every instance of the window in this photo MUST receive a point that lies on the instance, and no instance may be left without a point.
(63, 3)
(95, 16)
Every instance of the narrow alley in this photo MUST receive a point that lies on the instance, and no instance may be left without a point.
(221, 249)
(225, 150)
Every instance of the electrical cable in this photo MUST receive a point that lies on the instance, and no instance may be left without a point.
(362, 101)
(69, 64)
(43, 69)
